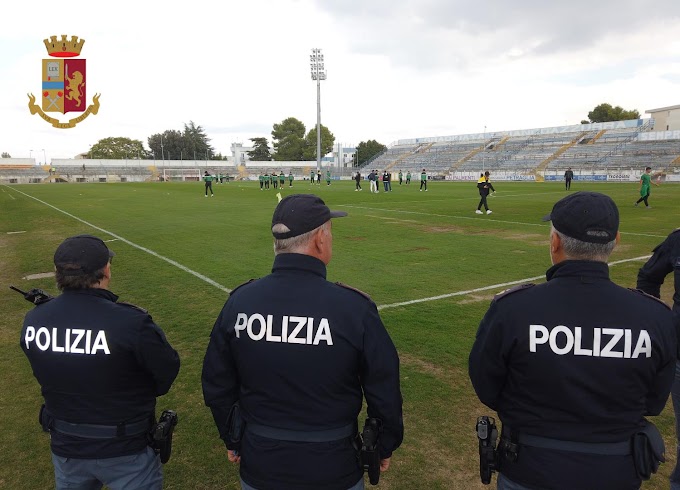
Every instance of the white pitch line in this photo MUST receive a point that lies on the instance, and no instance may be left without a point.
(475, 219)
(15, 232)
(486, 288)
(132, 244)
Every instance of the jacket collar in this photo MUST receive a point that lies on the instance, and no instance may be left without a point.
(100, 293)
(299, 262)
(579, 268)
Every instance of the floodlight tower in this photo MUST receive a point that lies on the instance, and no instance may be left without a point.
(318, 74)
(484, 150)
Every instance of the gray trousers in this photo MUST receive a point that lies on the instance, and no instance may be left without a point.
(141, 471)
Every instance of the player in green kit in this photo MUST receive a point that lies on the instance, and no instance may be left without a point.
(408, 177)
(282, 179)
(290, 179)
(400, 177)
(423, 180)
(328, 177)
(207, 178)
(311, 177)
(646, 187)
(261, 181)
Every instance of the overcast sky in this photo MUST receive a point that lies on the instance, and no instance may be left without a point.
(396, 69)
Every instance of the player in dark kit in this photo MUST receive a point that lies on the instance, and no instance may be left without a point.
(100, 364)
(207, 178)
(298, 354)
(666, 260)
(572, 366)
(568, 176)
(357, 178)
(483, 186)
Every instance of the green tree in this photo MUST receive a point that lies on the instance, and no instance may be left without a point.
(366, 150)
(605, 113)
(117, 149)
(327, 142)
(260, 151)
(195, 140)
(189, 144)
(167, 145)
(288, 139)
(5, 155)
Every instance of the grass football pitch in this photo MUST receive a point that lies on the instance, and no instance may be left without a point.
(428, 261)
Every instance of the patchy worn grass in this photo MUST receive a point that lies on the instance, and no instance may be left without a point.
(396, 246)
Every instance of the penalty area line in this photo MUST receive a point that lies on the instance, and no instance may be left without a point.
(132, 244)
(487, 288)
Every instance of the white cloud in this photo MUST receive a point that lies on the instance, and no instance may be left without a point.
(397, 69)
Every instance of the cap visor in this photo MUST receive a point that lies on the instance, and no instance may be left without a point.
(338, 214)
(547, 217)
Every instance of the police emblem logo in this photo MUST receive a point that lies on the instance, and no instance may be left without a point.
(63, 83)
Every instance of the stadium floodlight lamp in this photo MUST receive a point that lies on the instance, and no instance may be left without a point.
(318, 74)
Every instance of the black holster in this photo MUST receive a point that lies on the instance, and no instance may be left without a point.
(648, 450)
(44, 419)
(489, 457)
(370, 454)
(235, 427)
(160, 436)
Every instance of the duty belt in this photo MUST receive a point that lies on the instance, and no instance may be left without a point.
(300, 435)
(622, 448)
(95, 431)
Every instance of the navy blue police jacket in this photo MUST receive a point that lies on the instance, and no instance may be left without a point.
(299, 353)
(577, 358)
(664, 260)
(98, 362)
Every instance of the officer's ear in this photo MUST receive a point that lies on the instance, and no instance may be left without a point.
(555, 242)
(618, 237)
(107, 270)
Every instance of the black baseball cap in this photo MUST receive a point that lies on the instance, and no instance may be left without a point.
(587, 216)
(81, 254)
(302, 213)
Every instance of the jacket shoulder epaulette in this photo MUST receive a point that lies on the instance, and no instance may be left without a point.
(365, 295)
(640, 291)
(130, 305)
(242, 284)
(508, 292)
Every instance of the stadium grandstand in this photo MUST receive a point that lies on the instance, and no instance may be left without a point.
(598, 151)
(611, 151)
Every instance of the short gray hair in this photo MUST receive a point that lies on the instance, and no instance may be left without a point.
(294, 244)
(578, 250)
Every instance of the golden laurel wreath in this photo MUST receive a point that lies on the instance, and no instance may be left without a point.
(92, 109)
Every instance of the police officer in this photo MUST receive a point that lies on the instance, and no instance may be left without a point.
(664, 260)
(297, 352)
(100, 364)
(573, 365)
